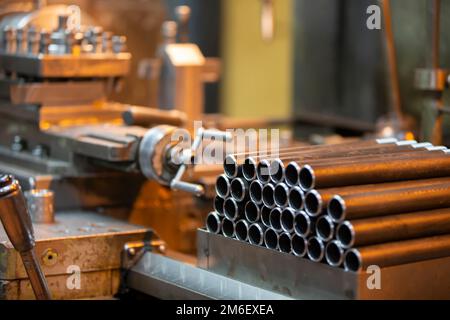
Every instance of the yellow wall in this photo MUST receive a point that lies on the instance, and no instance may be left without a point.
(257, 78)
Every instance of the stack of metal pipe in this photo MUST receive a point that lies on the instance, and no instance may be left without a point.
(379, 202)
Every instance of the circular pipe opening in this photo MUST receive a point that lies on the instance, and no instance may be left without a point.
(324, 228)
(336, 208)
(291, 174)
(271, 239)
(222, 186)
(280, 194)
(256, 189)
(230, 209)
(313, 203)
(268, 197)
(296, 198)
(334, 254)
(315, 249)
(230, 166)
(284, 243)
(256, 234)
(298, 245)
(306, 177)
(213, 223)
(287, 219)
(263, 171)
(275, 219)
(218, 204)
(302, 224)
(352, 260)
(228, 228)
(277, 171)
(238, 189)
(241, 230)
(249, 169)
(345, 234)
(252, 211)
(265, 215)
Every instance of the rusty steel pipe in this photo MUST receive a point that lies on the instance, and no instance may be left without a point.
(287, 219)
(268, 195)
(223, 186)
(304, 224)
(299, 245)
(256, 234)
(363, 232)
(239, 189)
(252, 211)
(396, 253)
(285, 242)
(275, 219)
(213, 222)
(417, 165)
(218, 205)
(334, 253)
(265, 215)
(381, 203)
(271, 239)
(325, 228)
(296, 198)
(255, 191)
(281, 195)
(232, 209)
(315, 249)
(318, 200)
(228, 228)
(241, 230)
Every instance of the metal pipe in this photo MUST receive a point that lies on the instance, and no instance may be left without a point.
(275, 219)
(296, 198)
(143, 116)
(252, 211)
(315, 249)
(256, 234)
(263, 171)
(276, 171)
(362, 232)
(249, 169)
(241, 230)
(228, 228)
(395, 253)
(291, 173)
(239, 189)
(287, 219)
(325, 228)
(265, 215)
(230, 167)
(299, 245)
(413, 166)
(213, 222)
(223, 186)
(303, 224)
(383, 203)
(318, 200)
(280, 195)
(334, 253)
(218, 205)
(232, 209)
(284, 242)
(268, 195)
(271, 239)
(255, 191)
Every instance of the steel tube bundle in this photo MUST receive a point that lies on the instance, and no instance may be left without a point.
(348, 205)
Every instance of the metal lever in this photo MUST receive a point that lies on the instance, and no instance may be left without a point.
(17, 224)
(176, 183)
(267, 20)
